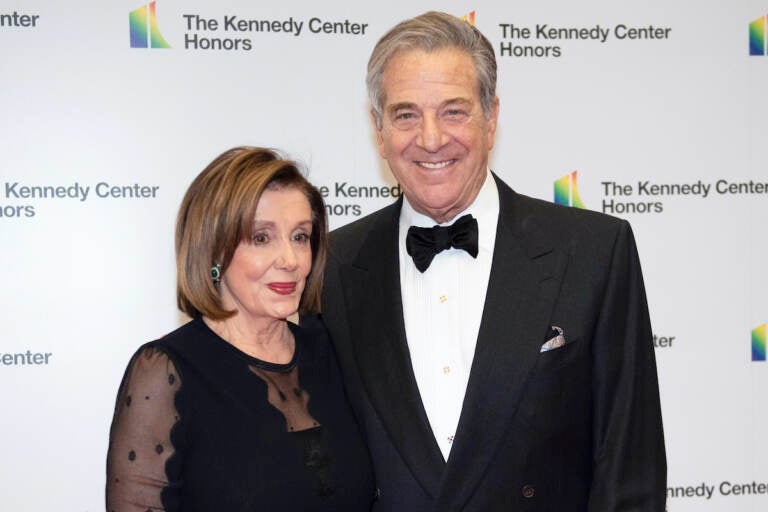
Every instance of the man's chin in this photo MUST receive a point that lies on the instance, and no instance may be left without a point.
(439, 211)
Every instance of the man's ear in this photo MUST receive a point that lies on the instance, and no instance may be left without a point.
(493, 120)
(379, 137)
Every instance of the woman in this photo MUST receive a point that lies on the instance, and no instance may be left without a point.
(240, 409)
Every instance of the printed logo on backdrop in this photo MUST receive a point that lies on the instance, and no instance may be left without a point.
(550, 40)
(724, 489)
(233, 32)
(644, 196)
(469, 18)
(757, 36)
(27, 358)
(349, 200)
(23, 199)
(142, 24)
(758, 343)
(567, 191)
(19, 20)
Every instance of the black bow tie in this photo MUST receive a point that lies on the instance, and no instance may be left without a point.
(423, 243)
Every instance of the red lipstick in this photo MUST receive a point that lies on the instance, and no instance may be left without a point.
(282, 288)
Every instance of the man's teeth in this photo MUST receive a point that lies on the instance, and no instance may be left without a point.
(435, 165)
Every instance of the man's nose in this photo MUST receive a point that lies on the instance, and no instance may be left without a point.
(431, 135)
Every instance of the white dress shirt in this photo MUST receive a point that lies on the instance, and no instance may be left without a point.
(442, 309)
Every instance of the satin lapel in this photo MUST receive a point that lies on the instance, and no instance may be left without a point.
(372, 294)
(521, 292)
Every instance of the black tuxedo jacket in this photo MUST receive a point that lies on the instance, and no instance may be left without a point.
(577, 428)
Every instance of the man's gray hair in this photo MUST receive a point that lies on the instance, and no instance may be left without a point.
(429, 32)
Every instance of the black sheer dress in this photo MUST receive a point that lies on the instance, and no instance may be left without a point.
(201, 426)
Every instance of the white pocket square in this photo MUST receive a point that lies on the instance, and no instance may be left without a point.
(556, 341)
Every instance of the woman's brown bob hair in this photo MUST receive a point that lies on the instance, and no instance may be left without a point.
(218, 213)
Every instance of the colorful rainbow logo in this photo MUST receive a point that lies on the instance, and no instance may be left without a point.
(469, 18)
(757, 32)
(567, 191)
(758, 343)
(143, 26)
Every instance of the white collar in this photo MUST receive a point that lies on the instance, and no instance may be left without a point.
(485, 206)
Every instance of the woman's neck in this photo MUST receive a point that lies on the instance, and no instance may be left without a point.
(267, 339)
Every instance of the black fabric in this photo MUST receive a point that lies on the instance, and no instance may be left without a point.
(574, 429)
(201, 426)
(423, 244)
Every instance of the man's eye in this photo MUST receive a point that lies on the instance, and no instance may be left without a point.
(455, 112)
(405, 115)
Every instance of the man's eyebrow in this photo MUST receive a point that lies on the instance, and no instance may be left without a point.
(400, 106)
(454, 101)
(406, 105)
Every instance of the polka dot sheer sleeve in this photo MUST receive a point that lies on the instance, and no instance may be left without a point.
(141, 454)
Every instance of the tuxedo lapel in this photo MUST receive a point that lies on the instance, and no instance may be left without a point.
(371, 286)
(522, 288)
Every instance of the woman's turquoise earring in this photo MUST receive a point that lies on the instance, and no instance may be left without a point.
(216, 273)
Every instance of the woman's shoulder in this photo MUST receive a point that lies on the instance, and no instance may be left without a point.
(191, 328)
(152, 363)
(161, 357)
(180, 340)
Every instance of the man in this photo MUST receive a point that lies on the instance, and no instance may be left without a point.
(513, 369)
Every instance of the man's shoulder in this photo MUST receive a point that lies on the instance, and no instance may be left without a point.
(529, 214)
(567, 214)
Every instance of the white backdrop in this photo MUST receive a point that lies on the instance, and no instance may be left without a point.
(88, 275)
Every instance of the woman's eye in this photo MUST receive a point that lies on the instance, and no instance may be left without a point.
(260, 238)
(301, 237)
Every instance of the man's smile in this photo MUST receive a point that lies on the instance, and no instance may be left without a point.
(436, 165)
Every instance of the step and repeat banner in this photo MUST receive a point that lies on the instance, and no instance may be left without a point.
(651, 111)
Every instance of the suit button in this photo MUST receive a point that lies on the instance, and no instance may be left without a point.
(528, 491)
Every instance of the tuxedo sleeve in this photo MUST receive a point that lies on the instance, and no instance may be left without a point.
(628, 450)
